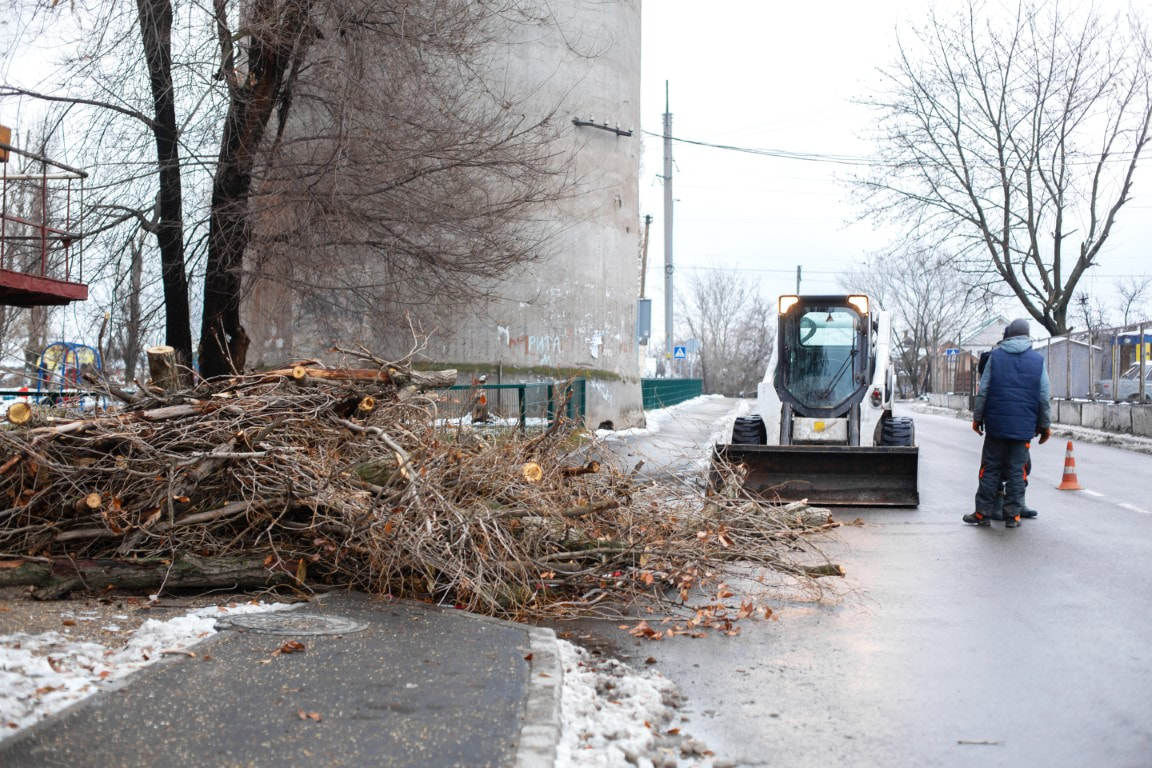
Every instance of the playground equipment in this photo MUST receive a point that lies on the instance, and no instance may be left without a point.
(60, 368)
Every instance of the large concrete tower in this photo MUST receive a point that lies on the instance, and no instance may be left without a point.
(573, 311)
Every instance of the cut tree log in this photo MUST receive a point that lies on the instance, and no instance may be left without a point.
(57, 576)
(590, 468)
(162, 368)
(420, 379)
(19, 413)
(828, 569)
(87, 504)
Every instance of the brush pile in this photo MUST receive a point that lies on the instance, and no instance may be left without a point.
(350, 477)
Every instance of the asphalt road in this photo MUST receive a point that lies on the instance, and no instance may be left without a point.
(950, 645)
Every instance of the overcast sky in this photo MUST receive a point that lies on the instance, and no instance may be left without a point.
(782, 76)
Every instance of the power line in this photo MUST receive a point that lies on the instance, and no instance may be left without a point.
(809, 271)
(853, 160)
(785, 154)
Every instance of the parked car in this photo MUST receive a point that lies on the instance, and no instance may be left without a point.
(1128, 386)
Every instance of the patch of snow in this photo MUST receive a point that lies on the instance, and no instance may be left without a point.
(655, 419)
(44, 673)
(616, 717)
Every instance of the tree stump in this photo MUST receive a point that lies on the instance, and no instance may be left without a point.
(162, 367)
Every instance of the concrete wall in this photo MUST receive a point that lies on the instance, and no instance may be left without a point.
(577, 308)
(1122, 418)
(574, 311)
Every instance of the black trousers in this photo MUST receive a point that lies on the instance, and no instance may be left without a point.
(1002, 461)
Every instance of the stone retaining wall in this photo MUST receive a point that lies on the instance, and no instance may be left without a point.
(1126, 418)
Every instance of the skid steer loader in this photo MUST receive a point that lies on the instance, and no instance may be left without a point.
(825, 430)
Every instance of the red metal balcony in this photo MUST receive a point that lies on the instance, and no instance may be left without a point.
(38, 266)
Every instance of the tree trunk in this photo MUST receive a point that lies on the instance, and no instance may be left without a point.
(57, 576)
(281, 40)
(156, 35)
(133, 332)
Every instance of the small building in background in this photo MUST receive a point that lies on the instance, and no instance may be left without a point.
(1073, 366)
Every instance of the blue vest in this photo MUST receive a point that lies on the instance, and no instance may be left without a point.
(1012, 408)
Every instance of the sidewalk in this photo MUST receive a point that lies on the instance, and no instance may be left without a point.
(379, 682)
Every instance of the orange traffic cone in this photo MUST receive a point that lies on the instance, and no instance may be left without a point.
(1069, 481)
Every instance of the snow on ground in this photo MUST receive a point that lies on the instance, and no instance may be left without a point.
(655, 419)
(617, 717)
(41, 674)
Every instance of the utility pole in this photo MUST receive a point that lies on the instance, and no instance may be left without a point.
(644, 254)
(797, 279)
(668, 268)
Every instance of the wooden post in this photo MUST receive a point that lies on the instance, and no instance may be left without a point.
(162, 367)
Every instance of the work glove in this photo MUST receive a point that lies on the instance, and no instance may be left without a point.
(978, 427)
(1044, 435)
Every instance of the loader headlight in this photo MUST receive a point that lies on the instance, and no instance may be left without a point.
(876, 397)
(860, 303)
(787, 302)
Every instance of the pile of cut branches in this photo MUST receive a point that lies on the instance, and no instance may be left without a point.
(349, 477)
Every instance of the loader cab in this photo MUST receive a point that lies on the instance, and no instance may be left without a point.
(824, 353)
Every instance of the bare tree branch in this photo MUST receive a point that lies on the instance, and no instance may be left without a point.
(1013, 142)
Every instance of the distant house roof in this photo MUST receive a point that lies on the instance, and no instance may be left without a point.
(1059, 341)
(986, 336)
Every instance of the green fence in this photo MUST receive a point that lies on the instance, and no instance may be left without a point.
(661, 393)
(526, 405)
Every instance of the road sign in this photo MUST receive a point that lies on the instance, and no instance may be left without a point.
(679, 353)
(952, 351)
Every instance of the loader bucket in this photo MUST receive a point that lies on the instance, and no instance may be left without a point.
(827, 475)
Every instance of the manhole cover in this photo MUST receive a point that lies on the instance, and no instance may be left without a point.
(293, 623)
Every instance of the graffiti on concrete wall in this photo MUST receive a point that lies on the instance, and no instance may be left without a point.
(541, 347)
(595, 344)
(549, 349)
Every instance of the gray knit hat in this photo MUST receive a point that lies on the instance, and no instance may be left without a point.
(1018, 327)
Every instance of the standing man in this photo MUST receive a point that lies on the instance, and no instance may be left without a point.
(1011, 407)
(998, 507)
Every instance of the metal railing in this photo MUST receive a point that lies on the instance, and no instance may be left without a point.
(661, 393)
(522, 406)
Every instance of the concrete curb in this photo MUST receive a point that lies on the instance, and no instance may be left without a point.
(540, 732)
(1123, 440)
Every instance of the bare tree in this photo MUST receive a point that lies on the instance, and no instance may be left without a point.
(260, 58)
(736, 327)
(1013, 137)
(155, 18)
(1134, 294)
(1093, 314)
(404, 172)
(116, 95)
(930, 302)
(134, 319)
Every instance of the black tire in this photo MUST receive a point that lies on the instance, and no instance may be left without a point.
(899, 430)
(749, 430)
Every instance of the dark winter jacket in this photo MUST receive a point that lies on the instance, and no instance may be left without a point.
(1013, 399)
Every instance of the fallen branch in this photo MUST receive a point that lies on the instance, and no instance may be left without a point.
(60, 575)
(828, 569)
(580, 511)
